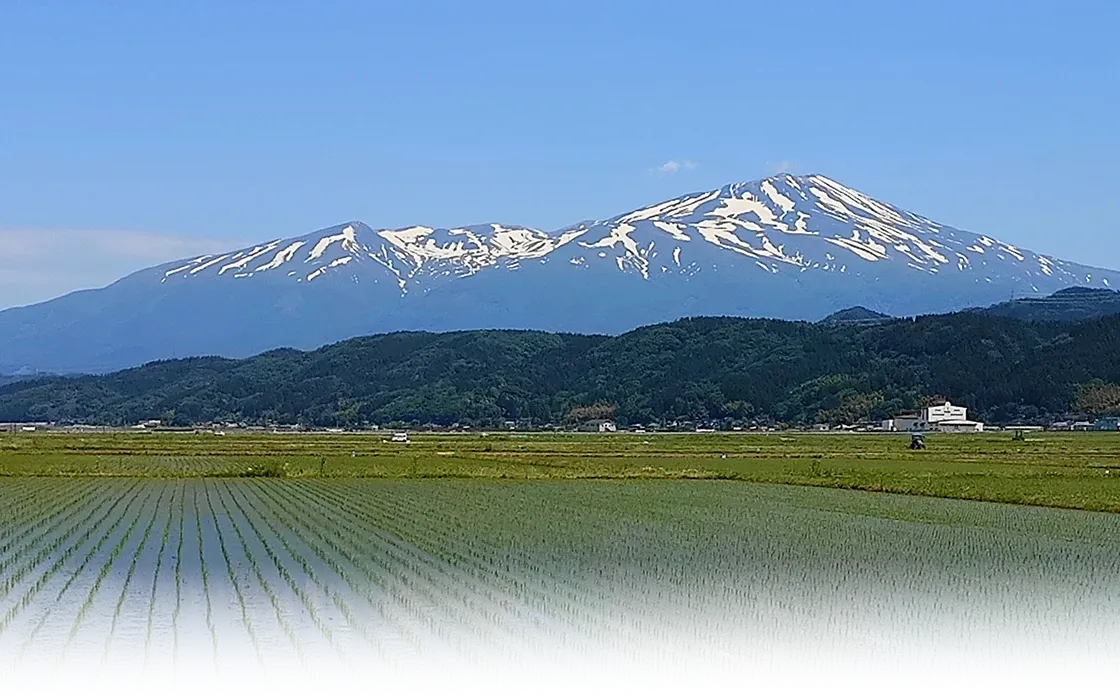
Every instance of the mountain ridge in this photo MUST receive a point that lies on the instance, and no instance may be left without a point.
(1072, 303)
(781, 247)
(696, 369)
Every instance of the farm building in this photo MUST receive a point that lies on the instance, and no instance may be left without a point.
(958, 426)
(943, 418)
(902, 423)
(1112, 423)
(943, 412)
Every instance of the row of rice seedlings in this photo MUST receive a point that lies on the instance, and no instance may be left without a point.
(309, 606)
(61, 655)
(518, 591)
(157, 511)
(246, 621)
(375, 604)
(494, 609)
(380, 605)
(22, 492)
(278, 609)
(398, 595)
(106, 524)
(559, 644)
(638, 649)
(662, 635)
(465, 556)
(401, 595)
(204, 572)
(15, 496)
(165, 539)
(34, 499)
(14, 663)
(635, 621)
(538, 633)
(178, 577)
(637, 652)
(726, 622)
(344, 656)
(15, 575)
(57, 506)
(484, 626)
(476, 612)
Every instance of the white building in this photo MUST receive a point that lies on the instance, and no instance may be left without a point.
(942, 418)
(944, 412)
(958, 426)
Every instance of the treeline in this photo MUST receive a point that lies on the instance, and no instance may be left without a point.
(697, 369)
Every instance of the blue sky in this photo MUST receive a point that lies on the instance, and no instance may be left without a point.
(134, 132)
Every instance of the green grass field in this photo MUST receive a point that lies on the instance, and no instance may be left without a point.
(1049, 469)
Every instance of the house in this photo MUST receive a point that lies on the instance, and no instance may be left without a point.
(1112, 423)
(1081, 426)
(598, 426)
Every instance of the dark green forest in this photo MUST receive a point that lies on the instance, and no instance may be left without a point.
(717, 370)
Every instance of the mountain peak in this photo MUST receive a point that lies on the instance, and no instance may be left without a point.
(786, 225)
(785, 246)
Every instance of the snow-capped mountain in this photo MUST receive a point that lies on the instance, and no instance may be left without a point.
(782, 224)
(785, 247)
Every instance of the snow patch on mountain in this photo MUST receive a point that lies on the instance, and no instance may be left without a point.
(784, 224)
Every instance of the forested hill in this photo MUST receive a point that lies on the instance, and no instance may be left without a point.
(693, 369)
(1071, 304)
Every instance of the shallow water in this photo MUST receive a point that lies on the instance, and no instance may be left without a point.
(474, 584)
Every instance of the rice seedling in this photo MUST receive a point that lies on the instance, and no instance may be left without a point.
(278, 609)
(59, 658)
(378, 606)
(339, 603)
(204, 573)
(120, 509)
(311, 608)
(177, 611)
(176, 496)
(350, 573)
(135, 561)
(35, 550)
(246, 620)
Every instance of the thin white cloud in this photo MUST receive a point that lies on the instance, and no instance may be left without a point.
(782, 166)
(671, 167)
(39, 264)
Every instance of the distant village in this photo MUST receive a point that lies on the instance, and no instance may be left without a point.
(937, 418)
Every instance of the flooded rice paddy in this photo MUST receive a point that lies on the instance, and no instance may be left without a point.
(355, 582)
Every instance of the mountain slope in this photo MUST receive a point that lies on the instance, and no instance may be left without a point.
(693, 369)
(784, 247)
